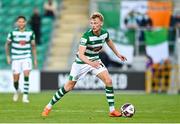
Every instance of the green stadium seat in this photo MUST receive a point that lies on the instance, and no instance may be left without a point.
(2, 50)
(47, 21)
(14, 11)
(3, 40)
(16, 2)
(2, 56)
(3, 61)
(2, 11)
(38, 2)
(39, 48)
(8, 29)
(46, 29)
(1, 29)
(6, 2)
(45, 38)
(27, 2)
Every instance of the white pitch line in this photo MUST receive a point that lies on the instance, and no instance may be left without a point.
(55, 110)
(83, 111)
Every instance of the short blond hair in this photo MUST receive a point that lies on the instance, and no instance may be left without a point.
(97, 15)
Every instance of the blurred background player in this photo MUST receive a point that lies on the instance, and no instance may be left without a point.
(20, 41)
(88, 60)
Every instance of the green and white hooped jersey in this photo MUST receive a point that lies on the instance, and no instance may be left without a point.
(21, 43)
(93, 44)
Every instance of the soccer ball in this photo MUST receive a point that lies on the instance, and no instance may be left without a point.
(128, 110)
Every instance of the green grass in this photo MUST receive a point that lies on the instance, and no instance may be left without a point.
(83, 107)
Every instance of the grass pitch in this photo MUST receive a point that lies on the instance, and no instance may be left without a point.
(85, 107)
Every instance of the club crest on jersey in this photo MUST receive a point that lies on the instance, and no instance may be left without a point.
(83, 41)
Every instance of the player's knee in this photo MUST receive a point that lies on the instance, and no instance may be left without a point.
(26, 73)
(69, 86)
(16, 77)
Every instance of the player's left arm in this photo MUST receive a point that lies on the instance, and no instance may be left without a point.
(113, 48)
(33, 45)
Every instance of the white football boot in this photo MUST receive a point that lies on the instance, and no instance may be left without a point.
(16, 96)
(25, 98)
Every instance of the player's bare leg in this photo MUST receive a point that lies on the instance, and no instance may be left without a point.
(26, 87)
(105, 77)
(16, 86)
(57, 96)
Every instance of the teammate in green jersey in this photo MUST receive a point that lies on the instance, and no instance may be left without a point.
(18, 47)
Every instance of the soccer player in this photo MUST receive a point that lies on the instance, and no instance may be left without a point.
(88, 60)
(21, 44)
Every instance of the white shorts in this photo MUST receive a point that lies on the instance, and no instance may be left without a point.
(78, 71)
(21, 65)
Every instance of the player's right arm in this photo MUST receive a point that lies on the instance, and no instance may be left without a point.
(81, 52)
(7, 48)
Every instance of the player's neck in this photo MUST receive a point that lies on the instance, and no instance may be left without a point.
(97, 33)
(22, 29)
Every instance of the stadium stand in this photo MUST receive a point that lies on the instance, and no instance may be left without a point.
(9, 11)
(72, 16)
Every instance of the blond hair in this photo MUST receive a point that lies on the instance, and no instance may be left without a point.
(97, 15)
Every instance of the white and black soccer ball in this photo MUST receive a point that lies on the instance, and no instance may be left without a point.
(128, 110)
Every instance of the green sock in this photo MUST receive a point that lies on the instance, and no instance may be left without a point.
(58, 95)
(26, 85)
(16, 85)
(110, 97)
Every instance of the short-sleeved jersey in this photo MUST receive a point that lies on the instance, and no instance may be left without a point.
(21, 43)
(93, 44)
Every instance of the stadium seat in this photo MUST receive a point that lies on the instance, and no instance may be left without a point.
(6, 2)
(3, 40)
(2, 56)
(47, 21)
(46, 29)
(16, 2)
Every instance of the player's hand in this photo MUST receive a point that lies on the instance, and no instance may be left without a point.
(35, 64)
(8, 59)
(95, 64)
(123, 58)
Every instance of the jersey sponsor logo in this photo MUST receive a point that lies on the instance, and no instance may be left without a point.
(95, 49)
(22, 42)
(95, 38)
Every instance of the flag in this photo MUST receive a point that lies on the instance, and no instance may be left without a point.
(159, 11)
(124, 44)
(157, 44)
